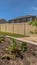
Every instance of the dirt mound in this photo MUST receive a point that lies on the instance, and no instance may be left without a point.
(29, 57)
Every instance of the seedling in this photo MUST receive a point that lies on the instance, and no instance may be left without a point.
(24, 46)
(6, 56)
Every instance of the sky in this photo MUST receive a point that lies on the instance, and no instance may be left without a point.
(10, 9)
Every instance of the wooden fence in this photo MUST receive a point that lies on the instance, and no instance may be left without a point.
(18, 28)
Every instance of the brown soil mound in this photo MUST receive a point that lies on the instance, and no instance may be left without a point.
(28, 57)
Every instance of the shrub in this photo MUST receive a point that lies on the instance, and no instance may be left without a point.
(34, 23)
(24, 46)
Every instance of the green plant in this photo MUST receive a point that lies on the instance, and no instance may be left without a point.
(14, 41)
(24, 46)
(35, 32)
(13, 57)
(13, 46)
(30, 22)
(6, 56)
(1, 39)
(31, 32)
(34, 23)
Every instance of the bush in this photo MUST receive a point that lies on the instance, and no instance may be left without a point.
(34, 23)
(24, 46)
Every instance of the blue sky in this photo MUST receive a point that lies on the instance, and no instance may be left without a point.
(10, 9)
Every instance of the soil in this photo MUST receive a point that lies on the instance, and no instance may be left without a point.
(28, 57)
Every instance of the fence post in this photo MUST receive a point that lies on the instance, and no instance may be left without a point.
(13, 27)
(5, 27)
(24, 28)
(0, 27)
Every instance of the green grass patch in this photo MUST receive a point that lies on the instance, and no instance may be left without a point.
(12, 34)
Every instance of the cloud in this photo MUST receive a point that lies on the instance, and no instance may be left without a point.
(34, 8)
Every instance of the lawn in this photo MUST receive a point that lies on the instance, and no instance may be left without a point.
(12, 34)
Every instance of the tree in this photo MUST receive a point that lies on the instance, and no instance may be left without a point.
(34, 23)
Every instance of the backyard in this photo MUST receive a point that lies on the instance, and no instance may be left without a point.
(14, 52)
(15, 49)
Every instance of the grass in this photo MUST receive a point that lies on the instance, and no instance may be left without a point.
(12, 34)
